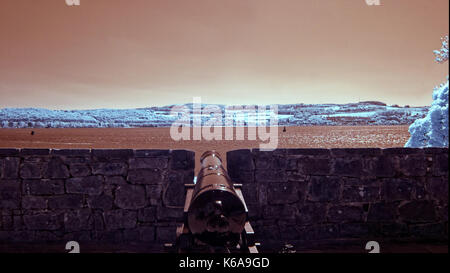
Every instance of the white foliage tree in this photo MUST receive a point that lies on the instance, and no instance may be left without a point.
(442, 54)
(432, 130)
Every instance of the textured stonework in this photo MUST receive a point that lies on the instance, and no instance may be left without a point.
(309, 195)
(112, 196)
(335, 194)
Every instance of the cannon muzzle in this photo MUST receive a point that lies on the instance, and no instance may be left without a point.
(216, 214)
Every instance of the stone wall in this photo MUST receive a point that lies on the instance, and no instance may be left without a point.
(109, 196)
(293, 195)
(311, 195)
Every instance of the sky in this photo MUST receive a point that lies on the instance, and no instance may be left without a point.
(141, 53)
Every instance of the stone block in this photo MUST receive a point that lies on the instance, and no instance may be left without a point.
(311, 213)
(381, 166)
(10, 194)
(48, 236)
(270, 176)
(154, 194)
(314, 166)
(429, 231)
(108, 236)
(103, 202)
(167, 214)
(402, 151)
(360, 194)
(289, 232)
(282, 193)
(147, 215)
(43, 186)
(44, 221)
(152, 153)
(80, 170)
(244, 177)
(56, 169)
(27, 152)
(394, 230)
(109, 168)
(418, 211)
(267, 160)
(77, 220)
(250, 192)
(382, 212)
(149, 163)
(413, 165)
(30, 171)
(98, 220)
(354, 230)
(340, 214)
(362, 181)
(76, 160)
(262, 193)
(267, 231)
(285, 212)
(147, 233)
(438, 188)
(17, 236)
(112, 153)
(440, 164)
(9, 152)
(348, 167)
(91, 185)
(397, 189)
(34, 202)
(238, 161)
(296, 176)
(10, 168)
(324, 189)
(314, 151)
(145, 176)
(182, 160)
(320, 232)
(71, 152)
(174, 193)
(66, 201)
(166, 233)
(130, 197)
(115, 180)
(120, 219)
(81, 237)
(359, 152)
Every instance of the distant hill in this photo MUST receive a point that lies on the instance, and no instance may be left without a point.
(373, 103)
(362, 113)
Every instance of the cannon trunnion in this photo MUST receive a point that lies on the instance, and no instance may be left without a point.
(215, 213)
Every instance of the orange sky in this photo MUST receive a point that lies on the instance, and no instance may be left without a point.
(138, 53)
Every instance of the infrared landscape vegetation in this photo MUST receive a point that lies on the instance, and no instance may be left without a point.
(362, 113)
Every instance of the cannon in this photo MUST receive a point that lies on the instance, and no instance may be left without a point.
(215, 212)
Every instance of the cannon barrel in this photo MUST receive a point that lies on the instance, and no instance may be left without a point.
(216, 214)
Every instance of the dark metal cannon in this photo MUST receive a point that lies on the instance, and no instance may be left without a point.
(215, 213)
